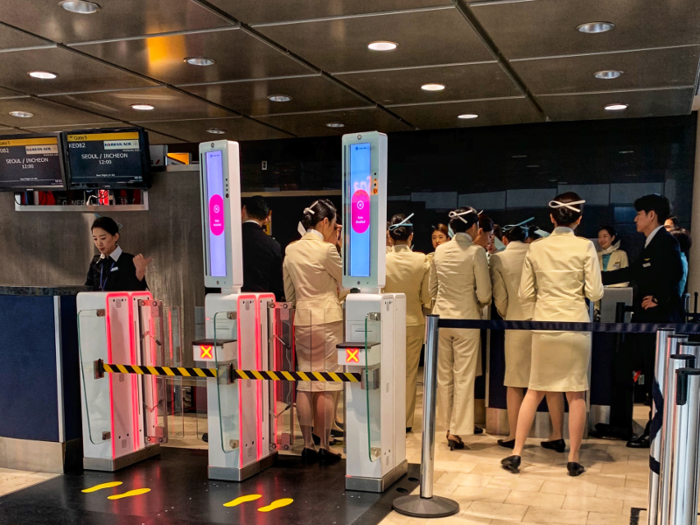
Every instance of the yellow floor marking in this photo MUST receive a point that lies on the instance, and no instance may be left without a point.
(129, 494)
(278, 504)
(243, 499)
(102, 486)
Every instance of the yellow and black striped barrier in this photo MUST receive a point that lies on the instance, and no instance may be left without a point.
(255, 375)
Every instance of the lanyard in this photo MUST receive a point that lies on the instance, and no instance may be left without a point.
(104, 283)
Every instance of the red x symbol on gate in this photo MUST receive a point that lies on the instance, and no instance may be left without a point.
(352, 355)
(205, 352)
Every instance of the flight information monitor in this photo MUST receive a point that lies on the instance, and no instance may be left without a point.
(31, 162)
(107, 158)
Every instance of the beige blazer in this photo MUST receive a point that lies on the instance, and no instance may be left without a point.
(618, 260)
(506, 270)
(408, 272)
(313, 276)
(459, 279)
(560, 271)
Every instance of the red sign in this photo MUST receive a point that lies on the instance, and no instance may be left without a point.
(352, 355)
(205, 352)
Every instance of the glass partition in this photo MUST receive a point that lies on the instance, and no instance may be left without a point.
(228, 392)
(371, 383)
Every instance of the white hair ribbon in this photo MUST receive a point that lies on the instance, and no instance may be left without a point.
(455, 215)
(402, 223)
(569, 205)
(309, 210)
(301, 229)
(509, 227)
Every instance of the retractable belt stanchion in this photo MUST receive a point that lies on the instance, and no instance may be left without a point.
(427, 505)
(685, 468)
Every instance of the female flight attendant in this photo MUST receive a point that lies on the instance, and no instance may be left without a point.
(313, 275)
(114, 270)
(560, 272)
(611, 257)
(441, 234)
(408, 273)
(461, 287)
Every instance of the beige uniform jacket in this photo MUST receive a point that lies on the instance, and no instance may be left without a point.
(506, 270)
(560, 271)
(313, 274)
(459, 279)
(618, 260)
(408, 272)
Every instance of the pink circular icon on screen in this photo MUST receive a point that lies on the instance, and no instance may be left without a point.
(360, 211)
(216, 215)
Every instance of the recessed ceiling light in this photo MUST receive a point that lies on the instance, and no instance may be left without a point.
(21, 114)
(335, 125)
(142, 107)
(216, 131)
(533, 166)
(616, 107)
(468, 116)
(596, 27)
(43, 75)
(382, 45)
(432, 87)
(608, 74)
(279, 98)
(200, 61)
(626, 151)
(519, 156)
(80, 6)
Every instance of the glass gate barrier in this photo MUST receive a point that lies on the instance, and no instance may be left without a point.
(92, 346)
(371, 383)
(227, 391)
(283, 393)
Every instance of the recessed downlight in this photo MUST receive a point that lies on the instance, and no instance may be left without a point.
(142, 107)
(616, 107)
(593, 28)
(335, 125)
(279, 98)
(216, 131)
(43, 75)
(608, 74)
(200, 61)
(21, 114)
(80, 6)
(468, 116)
(382, 45)
(432, 87)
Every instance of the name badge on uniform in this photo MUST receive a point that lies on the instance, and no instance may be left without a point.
(646, 265)
(114, 269)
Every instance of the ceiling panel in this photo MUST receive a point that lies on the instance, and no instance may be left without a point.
(156, 139)
(548, 27)
(10, 131)
(168, 103)
(424, 38)
(652, 103)
(307, 93)
(115, 19)
(91, 125)
(641, 69)
(46, 113)
(8, 93)
(491, 113)
(354, 120)
(236, 128)
(12, 38)
(238, 56)
(463, 82)
(75, 72)
(267, 11)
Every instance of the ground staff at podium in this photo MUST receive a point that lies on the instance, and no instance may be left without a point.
(559, 273)
(313, 275)
(461, 287)
(506, 270)
(408, 273)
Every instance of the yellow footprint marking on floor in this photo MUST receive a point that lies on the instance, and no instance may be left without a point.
(243, 499)
(278, 504)
(102, 486)
(129, 494)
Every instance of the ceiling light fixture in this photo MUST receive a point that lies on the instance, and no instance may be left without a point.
(432, 87)
(200, 61)
(80, 6)
(279, 98)
(142, 107)
(593, 28)
(616, 107)
(43, 75)
(335, 125)
(608, 74)
(216, 131)
(21, 114)
(382, 45)
(468, 116)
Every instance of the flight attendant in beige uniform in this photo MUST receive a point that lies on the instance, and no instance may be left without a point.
(312, 279)
(506, 269)
(560, 272)
(408, 272)
(461, 286)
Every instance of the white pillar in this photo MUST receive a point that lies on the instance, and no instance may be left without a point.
(694, 269)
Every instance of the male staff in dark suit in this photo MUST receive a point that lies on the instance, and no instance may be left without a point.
(655, 275)
(262, 255)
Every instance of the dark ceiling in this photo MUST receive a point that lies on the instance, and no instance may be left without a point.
(509, 61)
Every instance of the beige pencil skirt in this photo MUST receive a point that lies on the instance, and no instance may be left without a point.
(316, 352)
(560, 361)
(518, 347)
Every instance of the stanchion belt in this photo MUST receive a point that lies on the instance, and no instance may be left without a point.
(159, 370)
(612, 328)
(656, 423)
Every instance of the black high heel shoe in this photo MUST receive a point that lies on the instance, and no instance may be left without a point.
(326, 456)
(309, 455)
(575, 469)
(506, 444)
(478, 430)
(558, 445)
(455, 443)
(511, 464)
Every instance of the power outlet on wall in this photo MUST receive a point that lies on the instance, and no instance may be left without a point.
(264, 165)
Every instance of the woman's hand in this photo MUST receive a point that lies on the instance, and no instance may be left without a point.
(141, 264)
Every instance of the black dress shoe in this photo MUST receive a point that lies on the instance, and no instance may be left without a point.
(603, 431)
(478, 430)
(338, 433)
(340, 425)
(205, 437)
(640, 442)
(575, 469)
(558, 445)
(309, 455)
(506, 444)
(326, 456)
(408, 429)
(511, 464)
